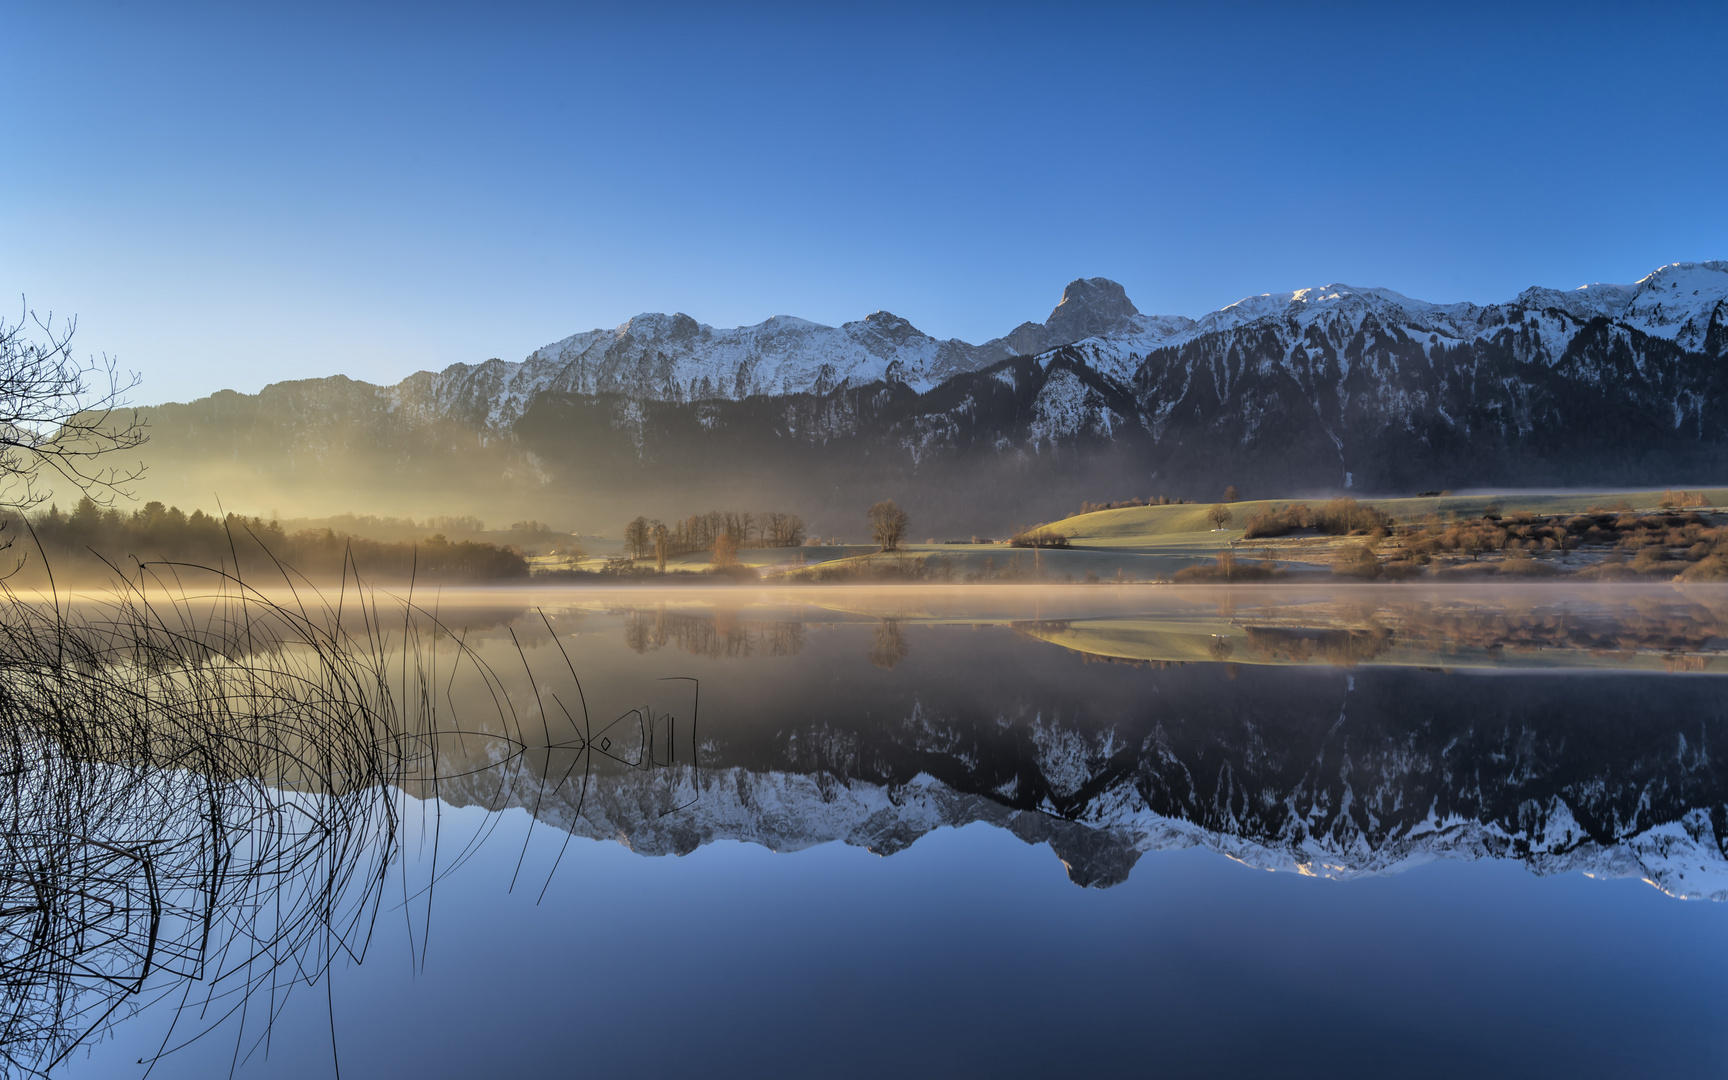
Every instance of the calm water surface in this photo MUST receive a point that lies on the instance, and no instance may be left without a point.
(1043, 832)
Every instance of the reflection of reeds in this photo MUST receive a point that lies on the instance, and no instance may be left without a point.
(203, 796)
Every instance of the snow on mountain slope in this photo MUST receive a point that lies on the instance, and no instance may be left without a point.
(1066, 408)
(1679, 302)
(675, 358)
(657, 357)
(1674, 302)
(1308, 306)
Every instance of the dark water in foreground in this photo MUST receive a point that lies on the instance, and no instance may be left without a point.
(1044, 834)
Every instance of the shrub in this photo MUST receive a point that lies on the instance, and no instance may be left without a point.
(1338, 517)
(1038, 538)
(1684, 498)
(1527, 568)
(624, 568)
(1714, 568)
(1400, 570)
(1225, 569)
(1280, 521)
(736, 570)
(1358, 561)
(1341, 517)
(1650, 560)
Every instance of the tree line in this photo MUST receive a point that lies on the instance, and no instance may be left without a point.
(530, 537)
(1150, 500)
(93, 540)
(734, 529)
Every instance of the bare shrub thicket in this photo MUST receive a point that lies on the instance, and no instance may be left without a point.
(1039, 538)
(1227, 569)
(1336, 517)
(1638, 546)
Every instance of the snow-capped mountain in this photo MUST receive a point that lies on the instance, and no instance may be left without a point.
(675, 358)
(1676, 302)
(1332, 387)
(1679, 302)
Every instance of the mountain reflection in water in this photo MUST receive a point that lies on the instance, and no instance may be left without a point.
(1329, 734)
(1222, 739)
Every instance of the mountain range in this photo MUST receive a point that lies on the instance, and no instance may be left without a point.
(674, 358)
(1335, 388)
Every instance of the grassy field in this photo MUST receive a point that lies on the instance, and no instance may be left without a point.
(993, 561)
(999, 562)
(1137, 543)
(1158, 527)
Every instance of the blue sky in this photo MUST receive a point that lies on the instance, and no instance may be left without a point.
(229, 195)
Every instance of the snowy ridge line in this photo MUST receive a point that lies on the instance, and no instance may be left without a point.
(1677, 302)
(675, 358)
(788, 811)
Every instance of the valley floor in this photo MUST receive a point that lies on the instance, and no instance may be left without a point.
(1605, 535)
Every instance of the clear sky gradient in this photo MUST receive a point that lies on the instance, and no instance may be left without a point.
(234, 194)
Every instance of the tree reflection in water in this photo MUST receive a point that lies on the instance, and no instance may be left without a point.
(720, 634)
(888, 645)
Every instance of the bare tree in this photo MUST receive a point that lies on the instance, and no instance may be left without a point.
(888, 524)
(725, 550)
(63, 414)
(780, 529)
(659, 532)
(636, 538)
(1220, 516)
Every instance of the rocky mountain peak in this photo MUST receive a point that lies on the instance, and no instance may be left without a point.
(891, 325)
(654, 325)
(1089, 307)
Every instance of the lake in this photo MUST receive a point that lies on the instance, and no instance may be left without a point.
(994, 832)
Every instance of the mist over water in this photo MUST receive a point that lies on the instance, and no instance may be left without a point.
(1023, 830)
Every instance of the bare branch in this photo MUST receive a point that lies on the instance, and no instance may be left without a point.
(62, 414)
